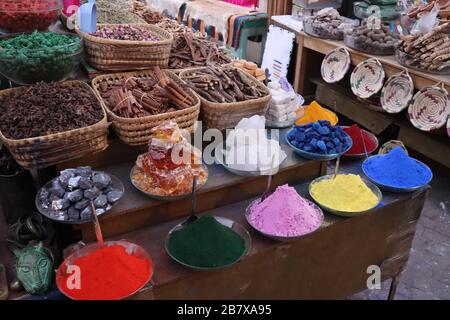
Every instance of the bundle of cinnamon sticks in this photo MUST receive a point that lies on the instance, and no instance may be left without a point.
(135, 97)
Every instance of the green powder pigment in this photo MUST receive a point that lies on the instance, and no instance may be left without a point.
(39, 56)
(206, 243)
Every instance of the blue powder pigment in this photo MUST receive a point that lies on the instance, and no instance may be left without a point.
(397, 169)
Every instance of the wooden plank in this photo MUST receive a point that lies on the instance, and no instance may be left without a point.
(349, 106)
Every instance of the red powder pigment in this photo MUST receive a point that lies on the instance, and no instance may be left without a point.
(357, 135)
(109, 273)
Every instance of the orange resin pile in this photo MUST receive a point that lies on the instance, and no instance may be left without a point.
(170, 165)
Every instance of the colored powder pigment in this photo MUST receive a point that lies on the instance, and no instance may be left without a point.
(360, 139)
(397, 169)
(346, 193)
(315, 112)
(206, 243)
(284, 213)
(108, 273)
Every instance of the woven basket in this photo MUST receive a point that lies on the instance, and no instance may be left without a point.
(137, 131)
(120, 55)
(367, 78)
(335, 65)
(429, 108)
(44, 151)
(397, 92)
(227, 115)
(388, 146)
(448, 126)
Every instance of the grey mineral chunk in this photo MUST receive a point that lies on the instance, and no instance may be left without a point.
(101, 201)
(75, 196)
(73, 182)
(60, 204)
(64, 177)
(114, 196)
(99, 211)
(86, 213)
(85, 183)
(92, 193)
(57, 189)
(73, 213)
(101, 180)
(59, 215)
(83, 203)
(44, 195)
(84, 172)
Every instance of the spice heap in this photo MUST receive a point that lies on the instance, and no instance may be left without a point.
(115, 12)
(397, 169)
(362, 140)
(345, 192)
(285, 214)
(249, 149)
(134, 97)
(8, 166)
(206, 243)
(163, 171)
(47, 108)
(375, 41)
(319, 137)
(315, 112)
(194, 50)
(430, 51)
(28, 15)
(326, 24)
(40, 56)
(109, 273)
(126, 32)
(224, 85)
(283, 106)
(144, 12)
(251, 68)
(70, 195)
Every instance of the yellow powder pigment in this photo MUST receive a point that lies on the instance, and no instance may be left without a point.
(346, 192)
(315, 112)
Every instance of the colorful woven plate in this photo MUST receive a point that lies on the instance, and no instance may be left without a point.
(429, 108)
(335, 65)
(367, 78)
(448, 125)
(397, 92)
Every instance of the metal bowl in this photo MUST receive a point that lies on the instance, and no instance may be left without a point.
(236, 227)
(47, 212)
(316, 156)
(281, 238)
(166, 198)
(243, 173)
(362, 155)
(393, 188)
(369, 184)
(84, 251)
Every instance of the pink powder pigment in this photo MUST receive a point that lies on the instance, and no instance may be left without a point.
(284, 213)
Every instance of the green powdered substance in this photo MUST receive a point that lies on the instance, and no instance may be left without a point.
(39, 56)
(206, 243)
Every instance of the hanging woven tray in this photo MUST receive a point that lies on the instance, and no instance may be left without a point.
(397, 92)
(367, 78)
(227, 115)
(138, 131)
(45, 151)
(335, 65)
(429, 108)
(121, 55)
(448, 126)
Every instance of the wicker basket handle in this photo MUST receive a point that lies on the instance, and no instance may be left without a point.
(375, 60)
(440, 85)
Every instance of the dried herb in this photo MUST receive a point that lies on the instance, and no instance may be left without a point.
(47, 108)
(126, 32)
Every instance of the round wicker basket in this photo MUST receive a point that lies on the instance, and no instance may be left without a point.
(335, 65)
(367, 78)
(430, 108)
(397, 92)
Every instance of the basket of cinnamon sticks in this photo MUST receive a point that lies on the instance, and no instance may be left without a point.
(227, 95)
(138, 101)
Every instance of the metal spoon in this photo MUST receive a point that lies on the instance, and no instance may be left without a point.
(269, 182)
(192, 217)
(338, 161)
(98, 230)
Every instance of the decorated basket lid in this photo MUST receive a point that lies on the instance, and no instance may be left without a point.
(388, 146)
(430, 108)
(448, 125)
(335, 65)
(397, 92)
(367, 78)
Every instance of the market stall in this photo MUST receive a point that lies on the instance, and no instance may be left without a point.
(250, 210)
